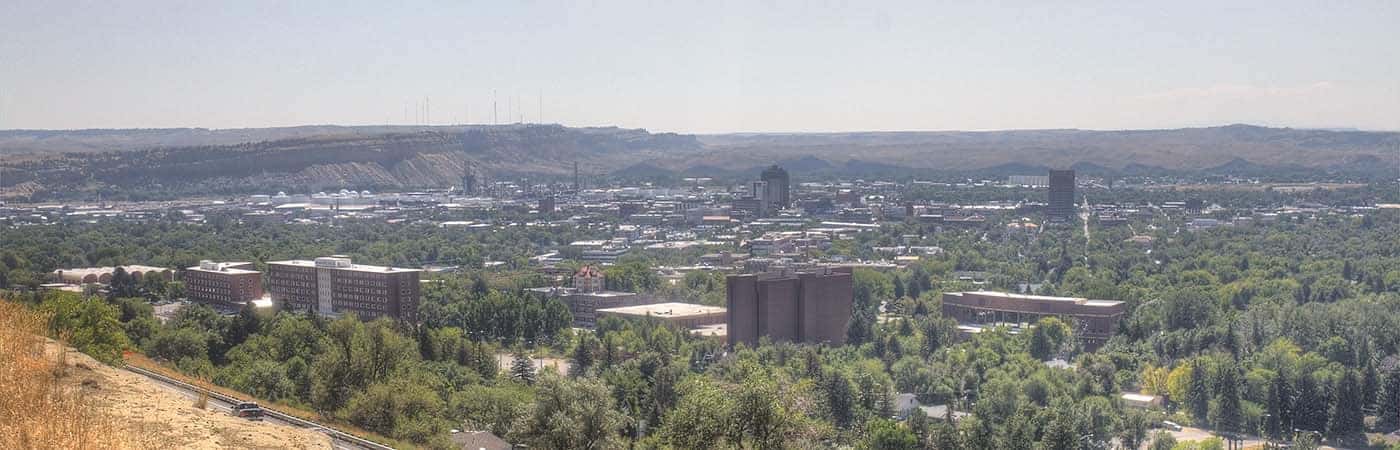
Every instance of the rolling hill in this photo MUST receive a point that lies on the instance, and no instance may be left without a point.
(307, 159)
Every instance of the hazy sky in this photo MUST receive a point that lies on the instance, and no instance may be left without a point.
(702, 66)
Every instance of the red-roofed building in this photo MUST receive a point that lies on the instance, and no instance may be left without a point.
(589, 279)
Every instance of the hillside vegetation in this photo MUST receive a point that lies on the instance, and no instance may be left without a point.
(37, 409)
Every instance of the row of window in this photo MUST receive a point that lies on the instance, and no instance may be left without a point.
(360, 290)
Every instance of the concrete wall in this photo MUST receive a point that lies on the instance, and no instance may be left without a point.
(826, 307)
(809, 307)
(742, 308)
(778, 309)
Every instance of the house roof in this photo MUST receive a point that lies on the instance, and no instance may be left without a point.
(478, 440)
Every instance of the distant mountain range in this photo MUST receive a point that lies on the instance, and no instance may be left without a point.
(310, 158)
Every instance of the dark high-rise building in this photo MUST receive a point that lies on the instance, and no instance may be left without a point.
(775, 192)
(333, 286)
(812, 307)
(1061, 206)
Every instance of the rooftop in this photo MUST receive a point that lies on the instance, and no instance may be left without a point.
(100, 270)
(716, 330)
(671, 309)
(222, 267)
(1075, 300)
(355, 267)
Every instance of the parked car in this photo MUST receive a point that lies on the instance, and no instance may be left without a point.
(247, 410)
(1171, 425)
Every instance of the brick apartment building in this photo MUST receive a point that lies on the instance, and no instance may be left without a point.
(1094, 321)
(228, 283)
(334, 285)
(790, 306)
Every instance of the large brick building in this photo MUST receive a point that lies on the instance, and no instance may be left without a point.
(1094, 321)
(334, 285)
(228, 283)
(788, 306)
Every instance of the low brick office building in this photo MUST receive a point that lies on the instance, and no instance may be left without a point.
(227, 283)
(1094, 321)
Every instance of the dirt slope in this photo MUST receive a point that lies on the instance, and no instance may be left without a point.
(168, 419)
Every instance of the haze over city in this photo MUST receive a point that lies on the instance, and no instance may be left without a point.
(713, 226)
(702, 68)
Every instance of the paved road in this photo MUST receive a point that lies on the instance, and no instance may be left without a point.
(1197, 434)
(227, 408)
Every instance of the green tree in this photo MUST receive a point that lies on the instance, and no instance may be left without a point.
(1162, 440)
(90, 325)
(886, 434)
(1279, 407)
(702, 417)
(1227, 414)
(1389, 412)
(1047, 337)
(522, 368)
(840, 398)
(1020, 430)
(760, 414)
(934, 333)
(491, 408)
(401, 409)
(582, 358)
(1346, 421)
(355, 355)
(1198, 394)
(178, 343)
(1132, 432)
(1310, 407)
(1060, 433)
(123, 284)
(571, 414)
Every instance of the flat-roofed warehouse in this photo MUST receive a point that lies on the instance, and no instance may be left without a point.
(1094, 321)
(103, 275)
(684, 315)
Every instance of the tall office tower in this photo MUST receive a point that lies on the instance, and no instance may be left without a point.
(758, 191)
(777, 186)
(333, 286)
(810, 306)
(1061, 195)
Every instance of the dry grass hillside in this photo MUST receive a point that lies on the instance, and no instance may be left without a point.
(53, 397)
